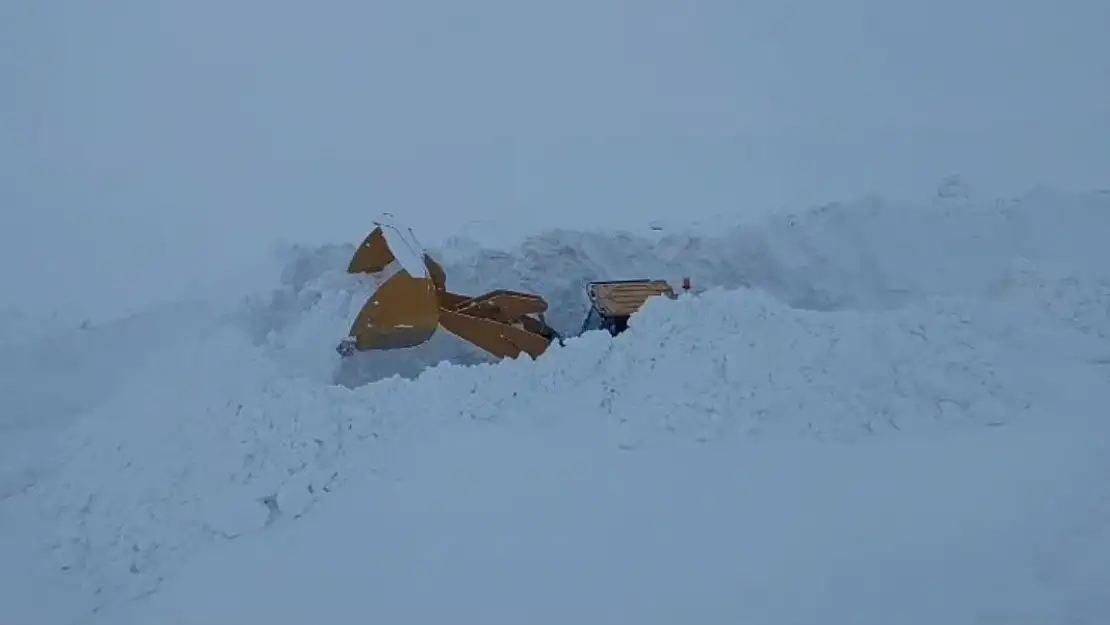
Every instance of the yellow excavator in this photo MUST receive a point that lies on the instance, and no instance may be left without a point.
(412, 302)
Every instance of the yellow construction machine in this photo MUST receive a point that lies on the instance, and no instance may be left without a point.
(412, 301)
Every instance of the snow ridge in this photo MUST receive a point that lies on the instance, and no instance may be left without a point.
(868, 255)
(841, 324)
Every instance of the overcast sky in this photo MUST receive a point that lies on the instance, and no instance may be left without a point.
(140, 137)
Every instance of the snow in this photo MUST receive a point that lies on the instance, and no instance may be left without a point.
(402, 242)
(871, 412)
(884, 404)
(555, 526)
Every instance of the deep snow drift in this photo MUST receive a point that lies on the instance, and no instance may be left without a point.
(903, 397)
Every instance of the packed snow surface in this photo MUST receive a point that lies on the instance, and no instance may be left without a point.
(869, 413)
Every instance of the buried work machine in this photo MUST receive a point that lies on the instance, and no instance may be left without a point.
(412, 302)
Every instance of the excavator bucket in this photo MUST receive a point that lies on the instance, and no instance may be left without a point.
(404, 310)
(413, 302)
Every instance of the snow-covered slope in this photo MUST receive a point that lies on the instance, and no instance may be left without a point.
(880, 385)
(491, 523)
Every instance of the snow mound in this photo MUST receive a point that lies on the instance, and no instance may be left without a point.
(867, 255)
(841, 324)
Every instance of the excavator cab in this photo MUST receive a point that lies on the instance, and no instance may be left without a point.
(612, 302)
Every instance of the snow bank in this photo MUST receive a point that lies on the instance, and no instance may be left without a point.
(867, 255)
(845, 323)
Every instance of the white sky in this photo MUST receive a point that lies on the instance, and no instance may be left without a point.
(146, 145)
